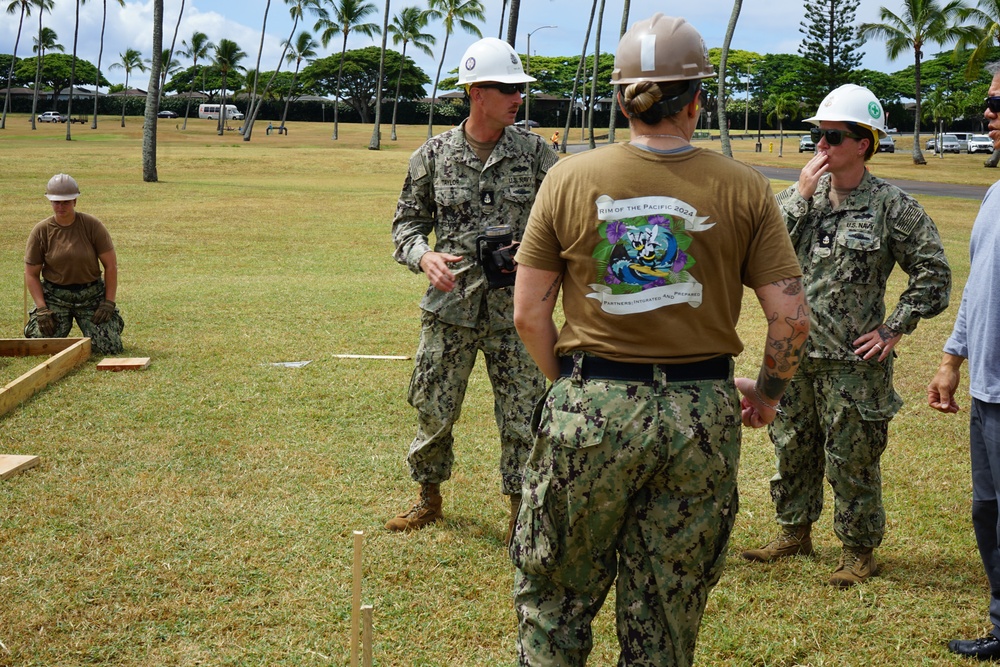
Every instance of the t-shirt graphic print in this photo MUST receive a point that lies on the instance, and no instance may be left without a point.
(642, 258)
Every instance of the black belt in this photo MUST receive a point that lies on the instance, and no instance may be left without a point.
(79, 287)
(598, 368)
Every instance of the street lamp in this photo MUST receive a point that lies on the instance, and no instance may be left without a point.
(527, 71)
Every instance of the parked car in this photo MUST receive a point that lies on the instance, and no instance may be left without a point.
(963, 140)
(980, 143)
(949, 144)
(531, 123)
(166, 113)
(929, 145)
(886, 145)
(806, 144)
(51, 117)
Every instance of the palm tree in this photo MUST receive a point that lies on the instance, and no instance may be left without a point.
(169, 64)
(375, 143)
(303, 49)
(25, 8)
(228, 55)
(196, 49)
(576, 79)
(296, 10)
(153, 98)
(515, 10)
(46, 40)
(345, 17)
(784, 104)
(593, 80)
(449, 12)
(130, 60)
(251, 110)
(626, 8)
(406, 27)
(939, 106)
(100, 57)
(922, 22)
(727, 149)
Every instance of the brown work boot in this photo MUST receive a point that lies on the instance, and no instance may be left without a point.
(791, 541)
(426, 511)
(515, 505)
(855, 566)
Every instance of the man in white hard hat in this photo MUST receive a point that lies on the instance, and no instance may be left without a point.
(632, 480)
(472, 187)
(976, 337)
(850, 229)
(62, 271)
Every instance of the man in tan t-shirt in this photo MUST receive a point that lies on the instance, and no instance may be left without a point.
(62, 271)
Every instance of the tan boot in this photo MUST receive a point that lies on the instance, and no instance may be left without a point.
(426, 511)
(515, 505)
(791, 541)
(855, 566)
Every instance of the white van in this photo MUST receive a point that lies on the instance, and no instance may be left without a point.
(211, 111)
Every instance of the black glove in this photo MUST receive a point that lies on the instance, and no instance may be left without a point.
(103, 312)
(46, 321)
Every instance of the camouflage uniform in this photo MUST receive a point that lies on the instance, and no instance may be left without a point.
(838, 406)
(448, 191)
(648, 470)
(81, 304)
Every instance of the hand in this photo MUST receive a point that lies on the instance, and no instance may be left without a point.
(754, 412)
(811, 173)
(104, 312)
(46, 321)
(435, 267)
(941, 390)
(879, 342)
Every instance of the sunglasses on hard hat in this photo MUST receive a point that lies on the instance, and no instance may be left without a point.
(993, 103)
(504, 88)
(833, 137)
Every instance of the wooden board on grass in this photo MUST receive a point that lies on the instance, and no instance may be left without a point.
(123, 364)
(11, 464)
(67, 354)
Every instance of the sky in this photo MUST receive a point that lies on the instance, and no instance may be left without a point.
(764, 27)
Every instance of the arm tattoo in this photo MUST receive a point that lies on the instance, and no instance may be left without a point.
(553, 289)
(885, 333)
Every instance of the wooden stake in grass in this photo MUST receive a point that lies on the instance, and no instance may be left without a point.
(359, 538)
(366, 636)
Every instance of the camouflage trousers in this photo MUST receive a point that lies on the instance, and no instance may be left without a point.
(836, 419)
(629, 481)
(445, 359)
(67, 305)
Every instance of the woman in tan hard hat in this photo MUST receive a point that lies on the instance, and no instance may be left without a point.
(631, 480)
(62, 269)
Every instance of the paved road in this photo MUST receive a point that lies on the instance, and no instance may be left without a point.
(976, 192)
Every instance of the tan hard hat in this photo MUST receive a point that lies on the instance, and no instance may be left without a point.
(661, 48)
(62, 187)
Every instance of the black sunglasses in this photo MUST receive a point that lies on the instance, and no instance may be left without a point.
(505, 88)
(993, 103)
(833, 137)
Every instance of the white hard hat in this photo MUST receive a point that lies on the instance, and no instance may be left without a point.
(62, 187)
(852, 104)
(491, 60)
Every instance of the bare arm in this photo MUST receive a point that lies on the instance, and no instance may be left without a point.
(33, 279)
(109, 260)
(784, 306)
(535, 293)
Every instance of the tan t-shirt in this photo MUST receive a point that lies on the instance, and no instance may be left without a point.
(68, 255)
(655, 250)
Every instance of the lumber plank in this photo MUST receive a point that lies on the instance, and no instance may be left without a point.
(48, 371)
(31, 347)
(11, 464)
(123, 364)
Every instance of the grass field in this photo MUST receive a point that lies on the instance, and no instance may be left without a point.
(201, 512)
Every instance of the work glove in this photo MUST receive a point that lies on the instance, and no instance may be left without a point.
(46, 321)
(103, 312)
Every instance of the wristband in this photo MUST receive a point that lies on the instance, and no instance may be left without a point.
(776, 407)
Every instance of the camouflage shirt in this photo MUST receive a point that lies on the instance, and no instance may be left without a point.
(449, 192)
(848, 253)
